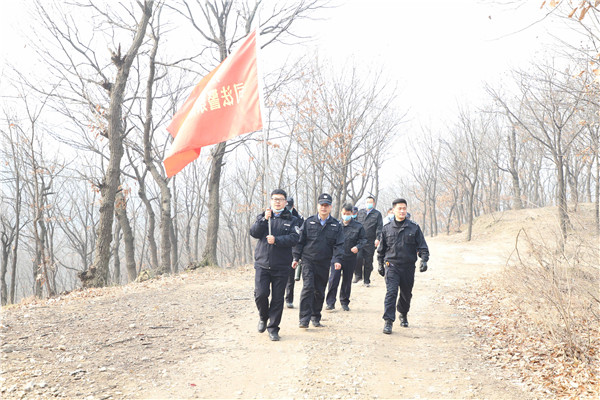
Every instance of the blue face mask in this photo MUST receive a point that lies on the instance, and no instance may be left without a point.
(278, 211)
(369, 206)
(353, 216)
(346, 218)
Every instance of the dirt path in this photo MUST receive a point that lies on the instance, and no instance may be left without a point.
(194, 336)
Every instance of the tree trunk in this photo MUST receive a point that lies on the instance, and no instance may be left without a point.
(15, 247)
(163, 183)
(209, 257)
(13, 269)
(97, 274)
(174, 246)
(3, 267)
(470, 211)
(597, 191)
(561, 197)
(117, 259)
(449, 219)
(151, 227)
(128, 239)
(165, 233)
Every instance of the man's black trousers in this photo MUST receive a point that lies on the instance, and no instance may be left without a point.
(364, 264)
(289, 287)
(402, 277)
(348, 265)
(314, 282)
(272, 282)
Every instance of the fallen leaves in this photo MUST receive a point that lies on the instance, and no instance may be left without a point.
(515, 341)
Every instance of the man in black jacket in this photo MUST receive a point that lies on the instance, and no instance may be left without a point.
(401, 242)
(354, 240)
(291, 282)
(273, 258)
(372, 221)
(321, 244)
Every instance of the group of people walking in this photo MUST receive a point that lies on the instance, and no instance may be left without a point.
(329, 251)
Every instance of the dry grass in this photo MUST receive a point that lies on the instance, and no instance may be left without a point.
(542, 319)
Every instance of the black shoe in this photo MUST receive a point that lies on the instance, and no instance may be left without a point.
(303, 326)
(289, 305)
(345, 307)
(367, 284)
(317, 324)
(262, 325)
(387, 328)
(329, 308)
(274, 336)
(403, 321)
(356, 279)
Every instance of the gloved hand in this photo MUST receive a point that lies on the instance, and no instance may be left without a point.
(423, 266)
(381, 269)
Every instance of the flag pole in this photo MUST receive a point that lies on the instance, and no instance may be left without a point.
(265, 130)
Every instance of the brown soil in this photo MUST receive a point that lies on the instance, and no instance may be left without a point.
(194, 336)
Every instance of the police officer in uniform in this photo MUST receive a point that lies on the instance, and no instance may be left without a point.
(289, 288)
(372, 221)
(354, 240)
(401, 242)
(273, 258)
(321, 244)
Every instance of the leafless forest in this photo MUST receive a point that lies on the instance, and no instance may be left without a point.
(86, 202)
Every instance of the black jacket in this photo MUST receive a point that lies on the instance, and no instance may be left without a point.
(286, 230)
(373, 224)
(321, 244)
(296, 214)
(354, 235)
(401, 242)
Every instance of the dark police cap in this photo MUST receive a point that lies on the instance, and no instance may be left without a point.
(354, 209)
(290, 201)
(324, 198)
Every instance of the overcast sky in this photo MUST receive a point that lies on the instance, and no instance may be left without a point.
(439, 52)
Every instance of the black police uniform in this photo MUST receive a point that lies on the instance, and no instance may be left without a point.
(401, 242)
(272, 263)
(318, 247)
(354, 236)
(373, 223)
(291, 282)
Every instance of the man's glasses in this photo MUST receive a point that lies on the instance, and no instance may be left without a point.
(278, 199)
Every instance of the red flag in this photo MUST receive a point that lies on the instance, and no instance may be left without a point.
(225, 104)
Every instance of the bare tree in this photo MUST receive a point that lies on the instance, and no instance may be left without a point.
(549, 115)
(340, 124)
(67, 37)
(223, 23)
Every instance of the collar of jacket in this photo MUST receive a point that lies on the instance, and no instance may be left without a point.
(285, 214)
(399, 224)
(369, 212)
(352, 222)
